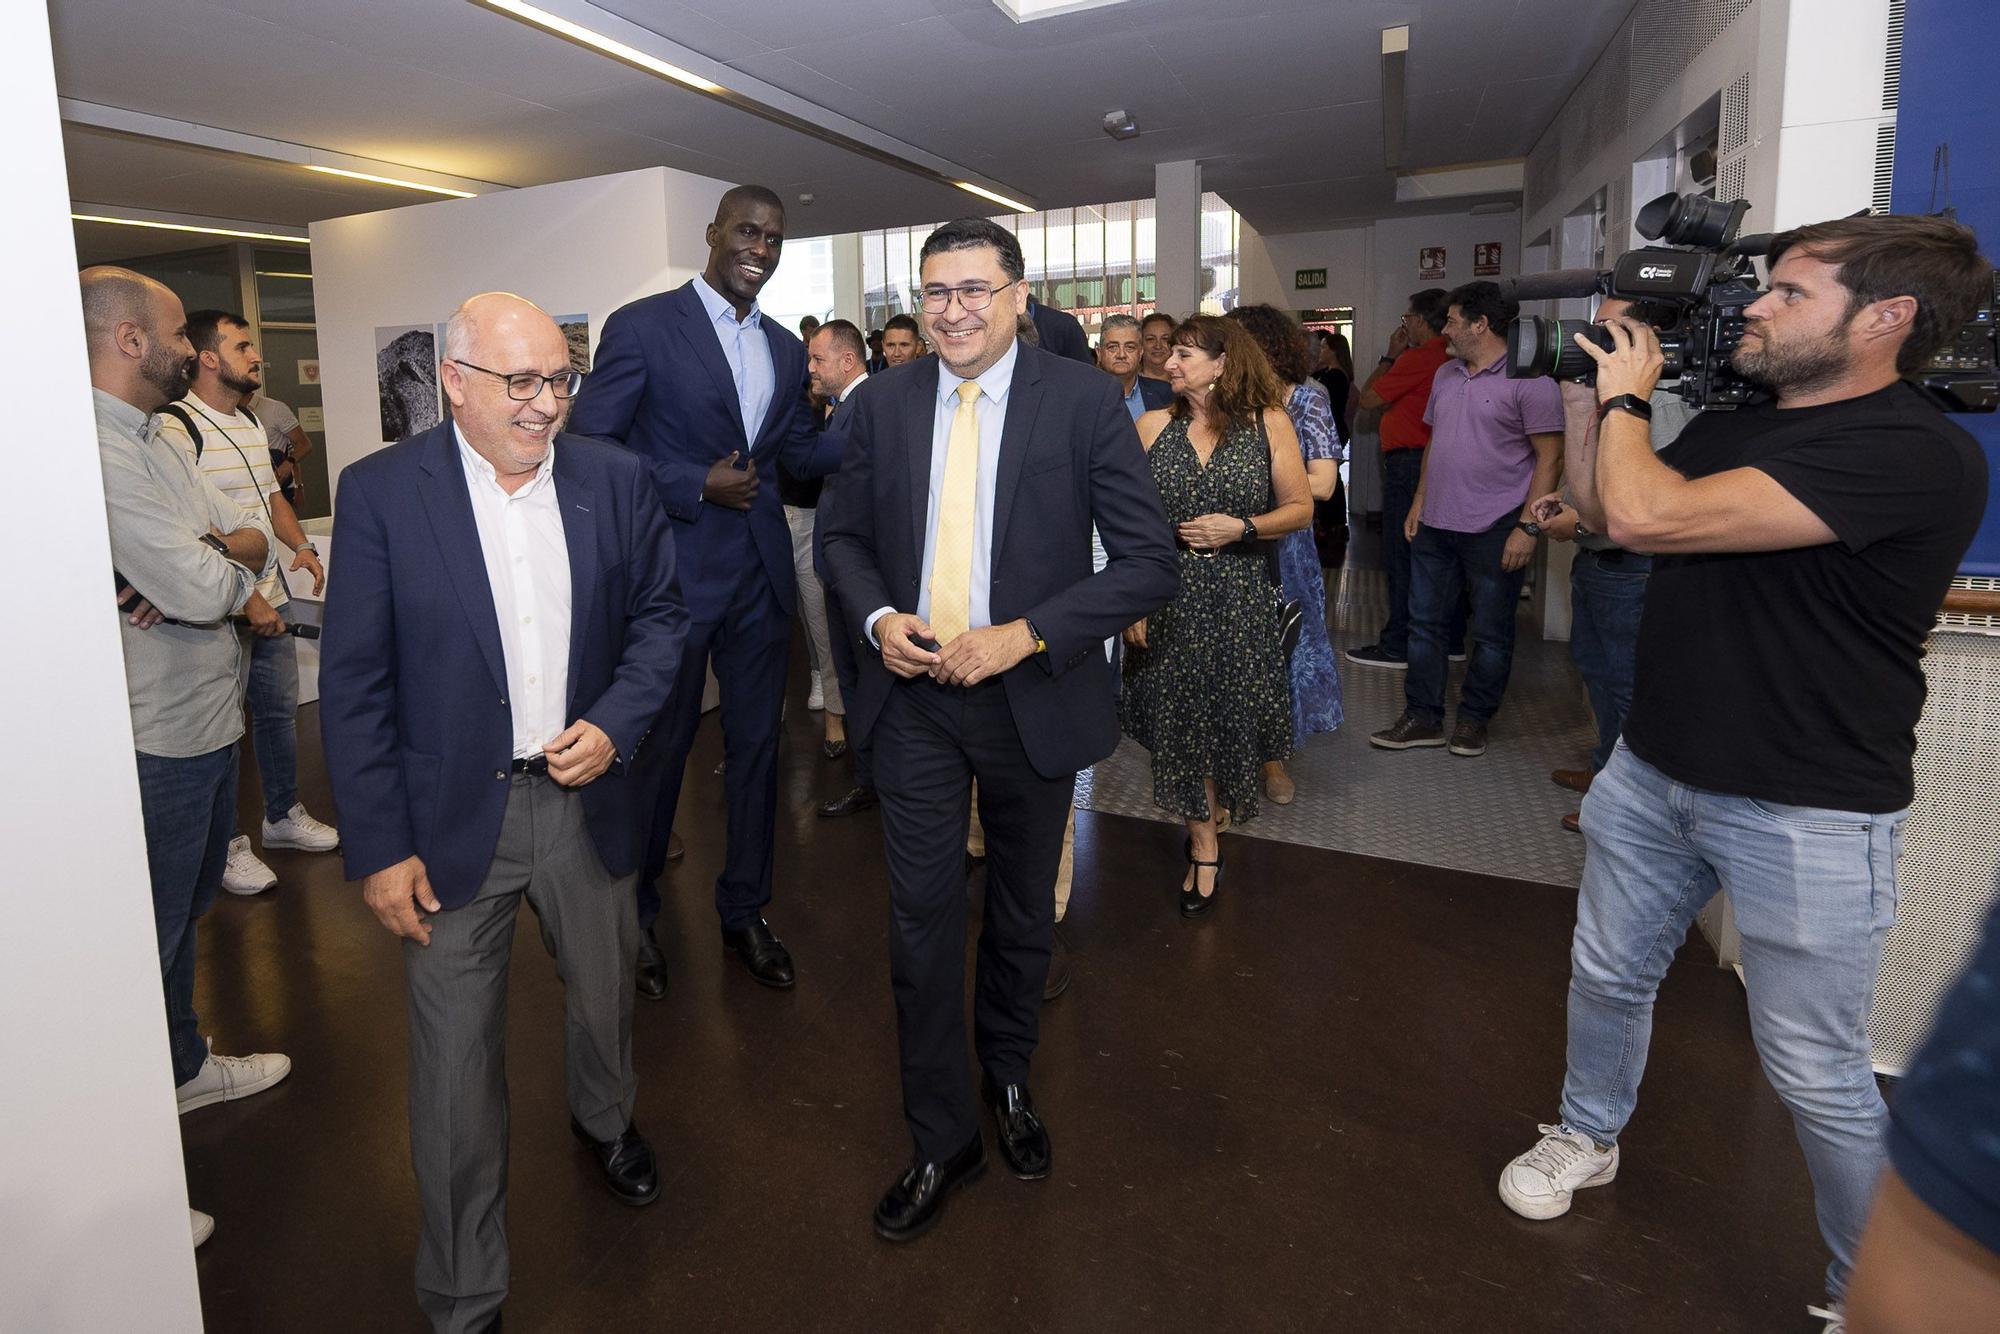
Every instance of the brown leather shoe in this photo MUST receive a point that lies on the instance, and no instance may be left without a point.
(1576, 780)
(1573, 822)
(1278, 784)
(1407, 733)
(1468, 738)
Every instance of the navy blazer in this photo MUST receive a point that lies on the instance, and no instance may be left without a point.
(1069, 458)
(661, 387)
(413, 680)
(837, 427)
(1155, 394)
(1060, 333)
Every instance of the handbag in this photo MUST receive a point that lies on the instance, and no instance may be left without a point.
(1291, 611)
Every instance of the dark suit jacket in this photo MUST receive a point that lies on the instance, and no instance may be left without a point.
(413, 681)
(661, 387)
(1060, 333)
(1155, 394)
(1069, 458)
(837, 427)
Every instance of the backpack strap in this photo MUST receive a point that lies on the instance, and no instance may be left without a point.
(185, 418)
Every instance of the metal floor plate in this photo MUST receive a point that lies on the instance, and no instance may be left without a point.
(1497, 815)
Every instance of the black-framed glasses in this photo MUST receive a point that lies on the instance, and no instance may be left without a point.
(525, 385)
(936, 299)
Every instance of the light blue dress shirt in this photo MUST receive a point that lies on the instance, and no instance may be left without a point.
(1135, 402)
(748, 353)
(993, 386)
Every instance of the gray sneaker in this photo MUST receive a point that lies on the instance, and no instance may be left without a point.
(1542, 1181)
(1407, 733)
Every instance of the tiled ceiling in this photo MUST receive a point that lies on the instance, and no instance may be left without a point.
(1277, 98)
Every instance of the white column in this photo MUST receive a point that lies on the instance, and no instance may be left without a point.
(1177, 237)
(847, 294)
(93, 1210)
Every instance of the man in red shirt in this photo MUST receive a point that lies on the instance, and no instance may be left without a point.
(1401, 384)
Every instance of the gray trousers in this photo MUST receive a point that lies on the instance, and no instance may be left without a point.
(812, 604)
(458, 1025)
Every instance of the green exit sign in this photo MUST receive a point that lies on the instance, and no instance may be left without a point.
(1308, 278)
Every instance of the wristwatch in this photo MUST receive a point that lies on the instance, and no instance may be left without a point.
(1249, 531)
(1631, 403)
(1041, 644)
(216, 542)
(1530, 527)
(305, 546)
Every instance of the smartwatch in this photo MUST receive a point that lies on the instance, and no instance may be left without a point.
(305, 546)
(1041, 644)
(1631, 403)
(216, 542)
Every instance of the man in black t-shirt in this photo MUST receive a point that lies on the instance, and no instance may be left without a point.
(1804, 546)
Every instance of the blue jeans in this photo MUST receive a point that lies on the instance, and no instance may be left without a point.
(1400, 470)
(1607, 593)
(189, 808)
(272, 690)
(1445, 566)
(1814, 893)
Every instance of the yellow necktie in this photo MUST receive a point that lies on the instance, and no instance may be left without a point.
(958, 504)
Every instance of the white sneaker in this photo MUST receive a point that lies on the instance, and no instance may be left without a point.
(243, 873)
(227, 1078)
(1541, 1181)
(201, 1225)
(300, 830)
(816, 700)
(1835, 1317)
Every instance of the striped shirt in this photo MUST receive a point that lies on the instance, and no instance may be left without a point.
(236, 457)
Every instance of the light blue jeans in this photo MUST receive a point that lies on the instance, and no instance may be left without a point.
(271, 688)
(1814, 893)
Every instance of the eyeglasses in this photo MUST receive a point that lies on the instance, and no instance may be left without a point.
(525, 385)
(971, 296)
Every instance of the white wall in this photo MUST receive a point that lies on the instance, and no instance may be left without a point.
(575, 247)
(93, 1202)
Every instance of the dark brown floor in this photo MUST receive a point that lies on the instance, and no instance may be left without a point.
(1290, 1117)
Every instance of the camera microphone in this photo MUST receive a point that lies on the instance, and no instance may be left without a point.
(1555, 285)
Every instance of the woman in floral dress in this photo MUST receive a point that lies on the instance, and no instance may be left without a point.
(1206, 686)
(1315, 678)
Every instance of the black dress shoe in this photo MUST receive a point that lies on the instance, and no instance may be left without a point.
(1058, 979)
(1024, 1141)
(1193, 902)
(851, 802)
(651, 979)
(763, 953)
(627, 1162)
(833, 750)
(915, 1202)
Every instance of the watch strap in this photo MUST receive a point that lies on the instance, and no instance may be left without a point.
(1631, 403)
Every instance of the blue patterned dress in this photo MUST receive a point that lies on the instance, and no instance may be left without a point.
(1315, 679)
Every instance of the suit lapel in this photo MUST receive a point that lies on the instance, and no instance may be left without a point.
(699, 333)
(449, 505)
(1024, 398)
(577, 505)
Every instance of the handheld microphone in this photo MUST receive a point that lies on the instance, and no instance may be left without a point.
(1555, 285)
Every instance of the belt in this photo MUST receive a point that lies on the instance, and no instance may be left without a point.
(1261, 549)
(1614, 557)
(537, 765)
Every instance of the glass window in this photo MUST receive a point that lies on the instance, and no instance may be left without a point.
(803, 284)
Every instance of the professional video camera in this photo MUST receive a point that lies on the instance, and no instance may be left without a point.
(1702, 273)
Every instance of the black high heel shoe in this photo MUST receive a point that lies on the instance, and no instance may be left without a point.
(1193, 902)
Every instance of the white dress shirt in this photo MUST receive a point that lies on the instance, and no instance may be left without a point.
(527, 567)
(994, 384)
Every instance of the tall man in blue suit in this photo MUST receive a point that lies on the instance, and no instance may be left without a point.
(500, 638)
(712, 395)
(959, 541)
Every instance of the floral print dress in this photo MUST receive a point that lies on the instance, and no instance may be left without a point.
(1209, 695)
(1315, 677)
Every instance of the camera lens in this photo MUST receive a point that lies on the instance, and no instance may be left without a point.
(1537, 346)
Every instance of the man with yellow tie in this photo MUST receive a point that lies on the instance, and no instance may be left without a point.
(960, 544)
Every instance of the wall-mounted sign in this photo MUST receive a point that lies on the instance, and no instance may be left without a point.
(1486, 260)
(309, 371)
(1308, 278)
(1430, 263)
(312, 419)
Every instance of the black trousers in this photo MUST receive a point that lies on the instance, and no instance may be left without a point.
(750, 649)
(931, 742)
(846, 669)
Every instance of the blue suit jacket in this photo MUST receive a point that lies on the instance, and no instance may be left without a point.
(1069, 459)
(837, 427)
(661, 387)
(413, 680)
(1060, 333)
(1155, 394)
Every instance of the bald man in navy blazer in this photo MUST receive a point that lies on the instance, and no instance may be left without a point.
(713, 396)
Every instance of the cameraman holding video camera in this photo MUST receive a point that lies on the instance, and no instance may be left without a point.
(1804, 544)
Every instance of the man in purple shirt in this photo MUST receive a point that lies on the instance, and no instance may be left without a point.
(1496, 444)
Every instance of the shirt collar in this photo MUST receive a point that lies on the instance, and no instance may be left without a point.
(852, 385)
(123, 414)
(1499, 364)
(719, 309)
(993, 381)
(478, 469)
